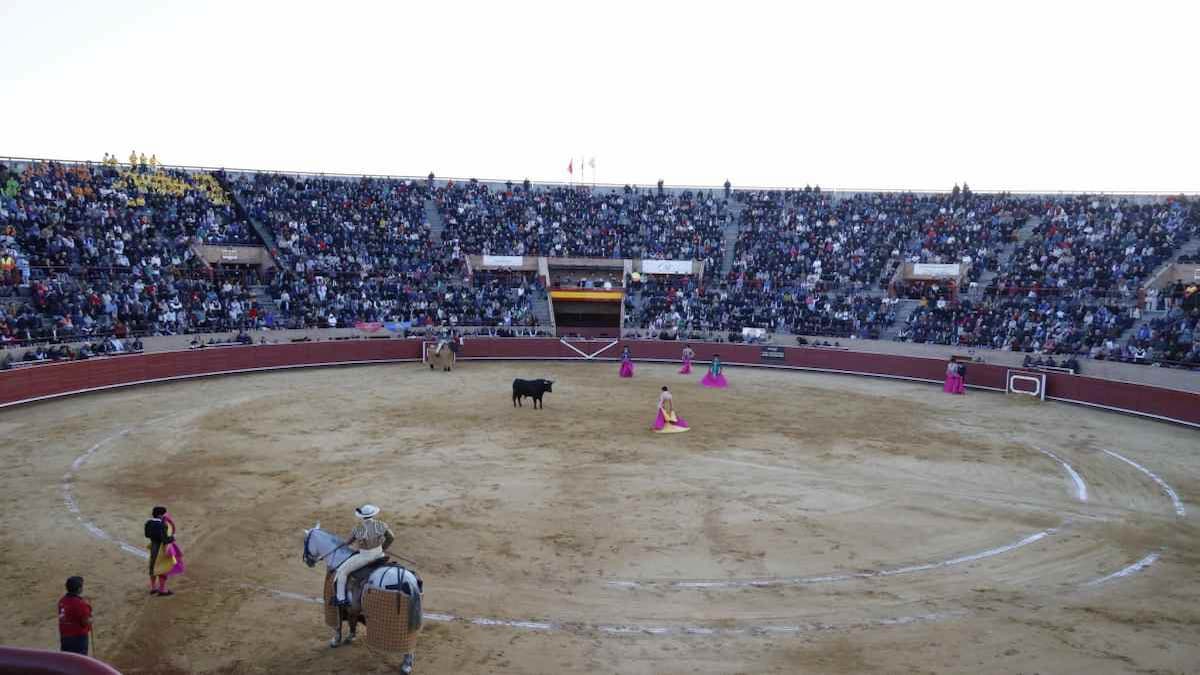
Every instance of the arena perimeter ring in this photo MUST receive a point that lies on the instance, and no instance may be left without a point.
(809, 522)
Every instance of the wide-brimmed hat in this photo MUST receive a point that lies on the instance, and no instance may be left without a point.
(367, 511)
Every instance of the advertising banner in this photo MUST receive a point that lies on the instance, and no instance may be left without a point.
(935, 270)
(772, 353)
(503, 260)
(666, 266)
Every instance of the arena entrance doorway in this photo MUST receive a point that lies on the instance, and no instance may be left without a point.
(588, 313)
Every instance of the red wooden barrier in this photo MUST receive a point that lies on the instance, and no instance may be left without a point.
(31, 383)
(40, 662)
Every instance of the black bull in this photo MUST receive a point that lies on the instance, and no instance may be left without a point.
(531, 388)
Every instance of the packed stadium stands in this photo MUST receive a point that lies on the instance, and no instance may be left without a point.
(573, 222)
(107, 250)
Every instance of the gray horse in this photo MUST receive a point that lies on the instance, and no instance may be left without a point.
(320, 545)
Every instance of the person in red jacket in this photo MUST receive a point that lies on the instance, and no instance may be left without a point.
(74, 618)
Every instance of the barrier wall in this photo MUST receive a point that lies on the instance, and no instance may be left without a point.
(42, 662)
(44, 381)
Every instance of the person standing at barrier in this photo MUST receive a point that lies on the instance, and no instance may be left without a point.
(626, 362)
(688, 355)
(951, 384)
(74, 618)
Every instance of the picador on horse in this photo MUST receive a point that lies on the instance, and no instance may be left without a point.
(445, 353)
(363, 586)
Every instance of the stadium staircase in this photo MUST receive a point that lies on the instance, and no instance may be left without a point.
(904, 309)
(436, 224)
(243, 213)
(1004, 255)
(541, 308)
(265, 302)
(730, 233)
(1189, 248)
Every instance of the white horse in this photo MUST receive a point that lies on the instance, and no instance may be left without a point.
(320, 545)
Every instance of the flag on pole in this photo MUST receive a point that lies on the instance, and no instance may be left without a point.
(571, 166)
(592, 163)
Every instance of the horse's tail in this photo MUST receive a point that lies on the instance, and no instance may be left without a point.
(414, 609)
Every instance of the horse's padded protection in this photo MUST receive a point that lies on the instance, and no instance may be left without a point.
(354, 585)
(388, 621)
(331, 611)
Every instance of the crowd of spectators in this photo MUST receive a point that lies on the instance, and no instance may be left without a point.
(352, 249)
(1054, 325)
(683, 303)
(524, 220)
(578, 221)
(1072, 287)
(104, 253)
(1170, 338)
(1096, 246)
(53, 353)
(106, 250)
(816, 236)
(342, 227)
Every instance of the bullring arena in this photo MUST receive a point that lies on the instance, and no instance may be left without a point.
(814, 520)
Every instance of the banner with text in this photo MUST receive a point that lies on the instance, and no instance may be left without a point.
(503, 260)
(666, 266)
(772, 353)
(934, 270)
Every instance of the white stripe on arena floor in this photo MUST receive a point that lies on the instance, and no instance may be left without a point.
(672, 629)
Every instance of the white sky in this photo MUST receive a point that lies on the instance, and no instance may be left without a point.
(1017, 95)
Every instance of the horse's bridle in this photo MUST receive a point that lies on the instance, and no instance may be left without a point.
(308, 557)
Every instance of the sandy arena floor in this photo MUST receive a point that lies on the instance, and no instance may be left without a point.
(808, 523)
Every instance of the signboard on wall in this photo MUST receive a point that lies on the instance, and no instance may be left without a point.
(666, 266)
(754, 333)
(772, 353)
(503, 260)
(935, 270)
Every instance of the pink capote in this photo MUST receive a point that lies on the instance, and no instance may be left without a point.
(687, 367)
(661, 421)
(626, 369)
(954, 381)
(714, 381)
(948, 387)
(173, 550)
